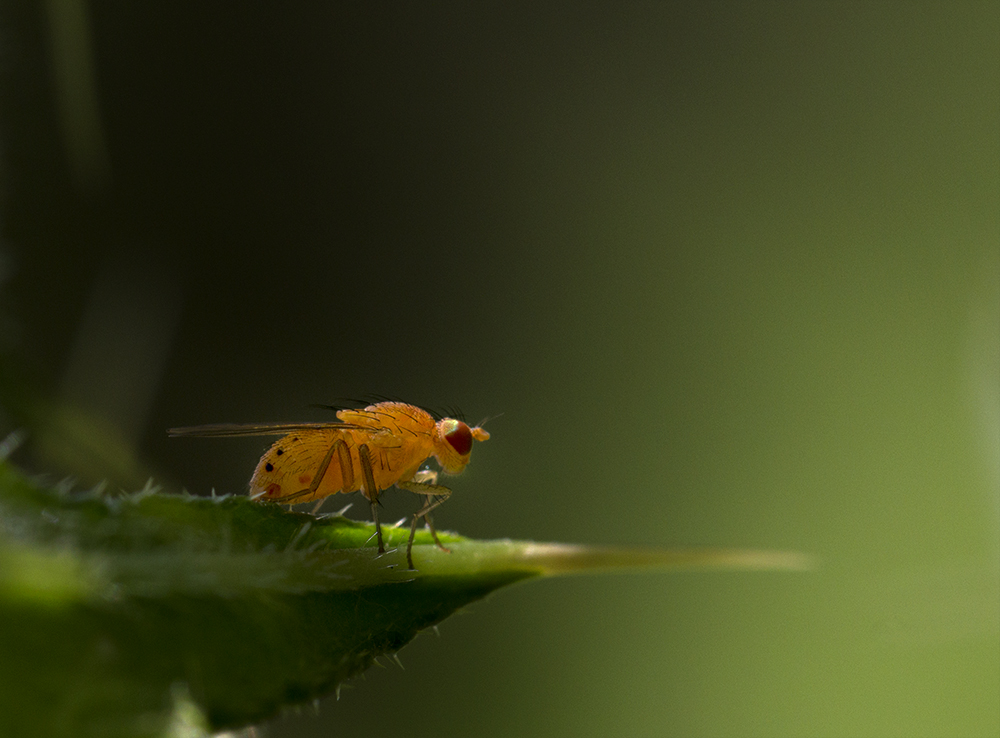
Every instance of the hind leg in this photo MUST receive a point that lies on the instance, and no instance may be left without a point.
(338, 448)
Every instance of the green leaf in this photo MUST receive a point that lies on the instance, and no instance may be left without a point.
(152, 614)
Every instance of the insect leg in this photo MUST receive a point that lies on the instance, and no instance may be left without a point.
(339, 448)
(346, 465)
(371, 491)
(429, 491)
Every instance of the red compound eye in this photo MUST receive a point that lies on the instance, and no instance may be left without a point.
(459, 437)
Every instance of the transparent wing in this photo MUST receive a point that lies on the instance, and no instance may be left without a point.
(255, 429)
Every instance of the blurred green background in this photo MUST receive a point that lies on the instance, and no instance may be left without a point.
(730, 272)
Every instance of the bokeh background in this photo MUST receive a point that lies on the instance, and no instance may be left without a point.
(731, 274)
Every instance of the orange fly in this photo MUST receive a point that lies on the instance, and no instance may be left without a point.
(368, 450)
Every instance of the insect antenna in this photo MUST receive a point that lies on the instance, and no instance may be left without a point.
(487, 419)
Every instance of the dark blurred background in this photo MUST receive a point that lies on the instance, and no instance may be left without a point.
(731, 274)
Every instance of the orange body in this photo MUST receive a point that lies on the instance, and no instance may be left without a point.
(399, 438)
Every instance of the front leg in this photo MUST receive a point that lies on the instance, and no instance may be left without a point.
(436, 495)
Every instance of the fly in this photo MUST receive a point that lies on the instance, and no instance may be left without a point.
(370, 450)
